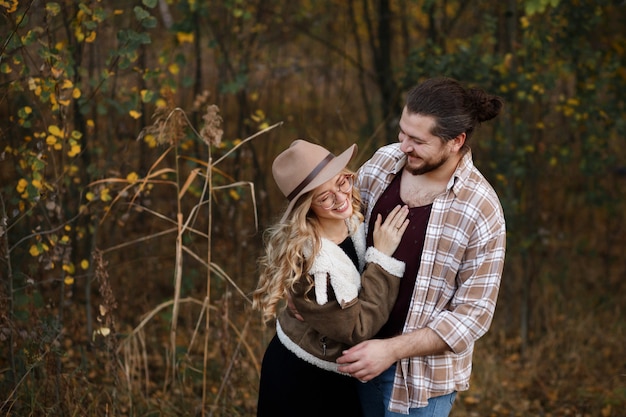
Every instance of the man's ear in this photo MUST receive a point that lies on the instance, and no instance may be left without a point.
(458, 142)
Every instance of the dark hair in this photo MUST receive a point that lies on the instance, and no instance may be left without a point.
(456, 109)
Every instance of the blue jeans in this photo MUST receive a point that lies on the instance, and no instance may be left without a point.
(376, 393)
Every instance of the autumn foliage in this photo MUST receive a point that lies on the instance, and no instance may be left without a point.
(136, 141)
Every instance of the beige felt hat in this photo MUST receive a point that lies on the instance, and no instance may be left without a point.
(304, 166)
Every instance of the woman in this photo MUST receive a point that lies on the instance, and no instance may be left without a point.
(313, 258)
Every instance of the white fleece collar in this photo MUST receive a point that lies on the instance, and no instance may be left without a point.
(334, 266)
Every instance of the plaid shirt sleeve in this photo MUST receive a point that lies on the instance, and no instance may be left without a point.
(459, 277)
(468, 258)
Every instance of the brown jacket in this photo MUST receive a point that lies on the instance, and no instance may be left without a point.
(330, 326)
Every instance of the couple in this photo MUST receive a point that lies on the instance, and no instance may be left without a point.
(390, 276)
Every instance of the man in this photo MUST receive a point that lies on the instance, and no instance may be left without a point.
(453, 249)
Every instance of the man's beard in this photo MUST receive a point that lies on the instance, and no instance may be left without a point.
(427, 166)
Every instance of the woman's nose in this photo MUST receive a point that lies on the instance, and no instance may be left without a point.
(341, 197)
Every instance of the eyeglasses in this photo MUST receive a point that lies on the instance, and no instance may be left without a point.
(328, 200)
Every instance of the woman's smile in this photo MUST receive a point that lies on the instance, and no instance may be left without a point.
(343, 207)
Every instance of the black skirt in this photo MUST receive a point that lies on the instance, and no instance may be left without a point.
(291, 387)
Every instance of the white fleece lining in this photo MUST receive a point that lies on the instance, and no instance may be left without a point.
(388, 263)
(334, 265)
(303, 354)
(357, 230)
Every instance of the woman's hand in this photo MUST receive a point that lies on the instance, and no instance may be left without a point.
(387, 235)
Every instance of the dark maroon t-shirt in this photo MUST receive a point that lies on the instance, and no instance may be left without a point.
(409, 251)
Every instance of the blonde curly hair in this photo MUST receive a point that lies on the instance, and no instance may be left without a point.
(284, 261)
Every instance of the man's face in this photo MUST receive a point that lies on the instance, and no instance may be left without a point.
(425, 152)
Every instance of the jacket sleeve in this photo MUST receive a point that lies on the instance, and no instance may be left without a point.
(365, 315)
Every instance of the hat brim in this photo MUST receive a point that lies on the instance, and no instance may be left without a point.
(333, 168)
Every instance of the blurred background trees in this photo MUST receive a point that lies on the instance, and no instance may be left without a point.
(116, 221)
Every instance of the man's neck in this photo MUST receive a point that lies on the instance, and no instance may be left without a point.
(421, 190)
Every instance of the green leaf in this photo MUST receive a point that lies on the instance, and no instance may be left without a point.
(151, 4)
(85, 9)
(141, 13)
(149, 22)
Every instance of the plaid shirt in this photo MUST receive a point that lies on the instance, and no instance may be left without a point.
(458, 280)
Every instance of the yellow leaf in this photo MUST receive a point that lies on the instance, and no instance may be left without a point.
(67, 84)
(134, 114)
(524, 22)
(150, 140)
(76, 93)
(68, 280)
(89, 196)
(11, 5)
(264, 125)
(234, 195)
(21, 185)
(54, 130)
(91, 37)
(65, 239)
(183, 37)
(75, 150)
(132, 177)
(56, 73)
(5, 68)
(174, 69)
(84, 264)
(104, 195)
(186, 145)
(34, 250)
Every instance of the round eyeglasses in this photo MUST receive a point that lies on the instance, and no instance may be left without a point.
(328, 200)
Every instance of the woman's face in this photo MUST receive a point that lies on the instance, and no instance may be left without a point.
(333, 199)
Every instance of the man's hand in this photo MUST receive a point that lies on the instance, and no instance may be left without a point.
(367, 359)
